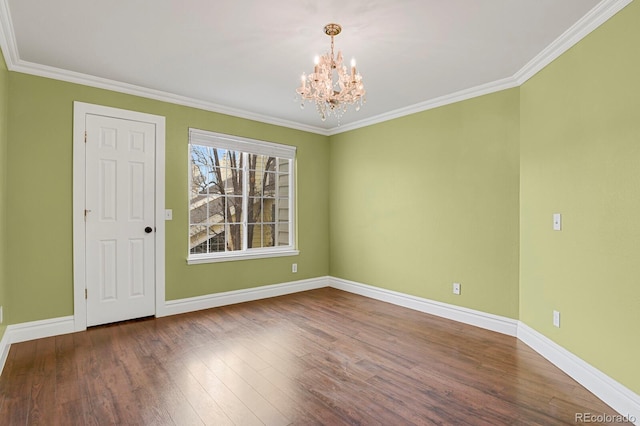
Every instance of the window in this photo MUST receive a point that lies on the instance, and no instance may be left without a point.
(240, 199)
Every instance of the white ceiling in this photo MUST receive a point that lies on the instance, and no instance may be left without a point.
(245, 57)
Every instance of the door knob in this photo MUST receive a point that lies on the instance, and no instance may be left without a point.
(148, 229)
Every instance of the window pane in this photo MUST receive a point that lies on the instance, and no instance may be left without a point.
(268, 212)
(231, 180)
(228, 159)
(234, 237)
(198, 209)
(268, 235)
(198, 172)
(198, 236)
(271, 164)
(283, 165)
(215, 184)
(282, 233)
(261, 235)
(217, 241)
(254, 213)
(283, 185)
(254, 235)
(282, 209)
(215, 211)
(255, 174)
(256, 162)
(234, 209)
(269, 184)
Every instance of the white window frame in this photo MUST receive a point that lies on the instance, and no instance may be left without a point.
(250, 146)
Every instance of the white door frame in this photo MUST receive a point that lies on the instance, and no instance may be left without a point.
(80, 110)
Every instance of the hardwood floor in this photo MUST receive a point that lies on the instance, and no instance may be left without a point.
(318, 357)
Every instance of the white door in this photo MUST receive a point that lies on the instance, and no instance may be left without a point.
(120, 228)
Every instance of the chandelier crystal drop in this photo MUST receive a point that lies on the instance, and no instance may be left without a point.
(330, 86)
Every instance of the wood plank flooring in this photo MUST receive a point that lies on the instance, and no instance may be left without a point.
(322, 357)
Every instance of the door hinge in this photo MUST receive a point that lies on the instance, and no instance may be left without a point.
(85, 136)
(85, 214)
(85, 293)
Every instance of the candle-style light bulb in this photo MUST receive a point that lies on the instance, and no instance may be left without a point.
(353, 69)
(316, 61)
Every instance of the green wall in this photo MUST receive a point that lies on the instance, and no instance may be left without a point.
(580, 156)
(461, 193)
(4, 101)
(454, 193)
(426, 200)
(39, 232)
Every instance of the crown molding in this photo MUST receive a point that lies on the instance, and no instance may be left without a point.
(588, 23)
(130, 89)
(7, 36)
(14, 63)
(462, 95)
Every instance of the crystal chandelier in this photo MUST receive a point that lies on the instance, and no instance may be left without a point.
(330, 86)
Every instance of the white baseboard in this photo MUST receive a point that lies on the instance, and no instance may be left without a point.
(5, 345)
(40, 329)
(181, 306)
(480, 319)
(23, 332)
(617, 396)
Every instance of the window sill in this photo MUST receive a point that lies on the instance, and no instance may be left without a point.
(231, 256)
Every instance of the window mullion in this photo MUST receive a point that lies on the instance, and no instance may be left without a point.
(276, 204)
(245, 199)
(290, 200)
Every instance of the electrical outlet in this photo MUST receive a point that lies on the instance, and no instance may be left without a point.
(456, 288)
(556, 319)
(294, 267)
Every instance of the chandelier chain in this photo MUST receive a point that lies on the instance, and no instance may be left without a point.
(333, 64)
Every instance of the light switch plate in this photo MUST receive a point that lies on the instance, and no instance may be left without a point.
(557, 221)
(168, 214)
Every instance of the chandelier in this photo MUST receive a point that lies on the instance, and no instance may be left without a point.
(330, 86)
